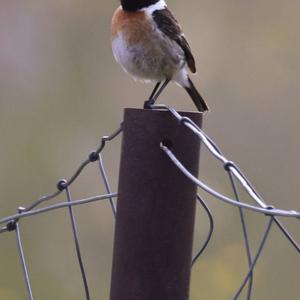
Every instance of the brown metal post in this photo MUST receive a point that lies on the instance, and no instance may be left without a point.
(156, 209)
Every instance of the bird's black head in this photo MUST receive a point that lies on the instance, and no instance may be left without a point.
(133, 5)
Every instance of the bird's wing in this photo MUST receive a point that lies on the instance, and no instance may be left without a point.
(167, 23)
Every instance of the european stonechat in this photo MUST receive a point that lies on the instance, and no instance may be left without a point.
(148, 42)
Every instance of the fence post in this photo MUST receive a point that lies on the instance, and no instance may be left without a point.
(156, 208)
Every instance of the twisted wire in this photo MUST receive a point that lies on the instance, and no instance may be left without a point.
(235, 175)
(12, 222)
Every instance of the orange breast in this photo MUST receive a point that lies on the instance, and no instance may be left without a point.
(132, 25)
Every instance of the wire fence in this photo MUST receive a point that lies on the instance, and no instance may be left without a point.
(12, 223)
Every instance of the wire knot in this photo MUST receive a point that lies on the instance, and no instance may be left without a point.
(94, 156)
(62, 184)
(269, 207)
(11, 226)
(228, 165)
(184, 120)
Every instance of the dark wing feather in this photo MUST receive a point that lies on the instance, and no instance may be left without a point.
(167, 23)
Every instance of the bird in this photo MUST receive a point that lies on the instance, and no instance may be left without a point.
(149, 44)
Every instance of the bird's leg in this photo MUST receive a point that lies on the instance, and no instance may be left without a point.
(155, 94)
(151, 100)
(154, 90)
(161, 89)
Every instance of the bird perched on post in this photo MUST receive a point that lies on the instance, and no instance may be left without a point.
(148, 42)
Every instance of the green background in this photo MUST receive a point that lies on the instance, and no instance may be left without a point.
(61, 90)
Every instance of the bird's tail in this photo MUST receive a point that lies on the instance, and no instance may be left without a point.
(196, 97)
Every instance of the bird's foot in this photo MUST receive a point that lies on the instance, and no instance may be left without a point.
(149, 103)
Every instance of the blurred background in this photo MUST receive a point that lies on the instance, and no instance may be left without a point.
(61, 90)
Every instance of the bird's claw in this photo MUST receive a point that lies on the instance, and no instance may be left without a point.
(149, 103)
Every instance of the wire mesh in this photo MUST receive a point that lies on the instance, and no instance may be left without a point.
(235, 175)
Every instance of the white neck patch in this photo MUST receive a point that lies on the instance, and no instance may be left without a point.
(161, 4)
